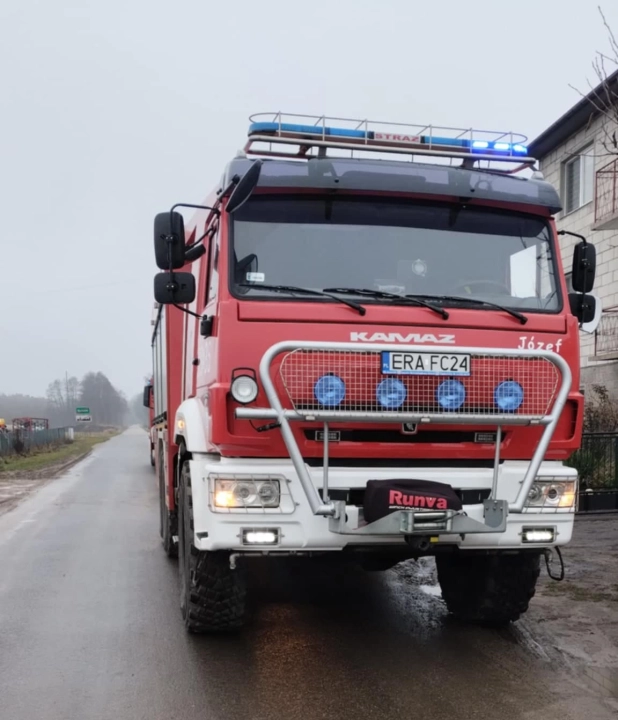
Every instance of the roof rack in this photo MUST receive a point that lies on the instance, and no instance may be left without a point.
(321, 132)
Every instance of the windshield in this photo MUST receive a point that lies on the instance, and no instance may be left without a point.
(400, 247)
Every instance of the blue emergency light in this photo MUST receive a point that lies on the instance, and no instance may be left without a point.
(375, 138)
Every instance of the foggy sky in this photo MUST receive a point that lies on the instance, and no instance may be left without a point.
(112, 110)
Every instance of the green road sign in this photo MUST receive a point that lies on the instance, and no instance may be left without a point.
(82, 411)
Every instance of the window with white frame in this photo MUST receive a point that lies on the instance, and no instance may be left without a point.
(578, 180)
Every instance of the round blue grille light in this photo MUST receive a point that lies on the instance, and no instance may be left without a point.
(329, 390)
(451, 394)
(391, 393)
(509, 395)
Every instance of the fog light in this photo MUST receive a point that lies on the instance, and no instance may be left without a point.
(244, 389)
(509, 396)
(451, 394)
(538, 535)
(391, 393)
(329, 390)
(260, 536)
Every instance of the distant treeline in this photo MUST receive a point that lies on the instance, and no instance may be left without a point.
(108, 406)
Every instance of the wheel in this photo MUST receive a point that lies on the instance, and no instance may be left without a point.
(167, 520)
(152, 457)
(491, 590)
(212, 595)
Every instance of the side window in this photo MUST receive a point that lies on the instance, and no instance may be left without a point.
(212, 279)
(578, 180)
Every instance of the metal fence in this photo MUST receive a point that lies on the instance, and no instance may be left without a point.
(606, 195)
(597, 464)
(606, 335)
(22, 442)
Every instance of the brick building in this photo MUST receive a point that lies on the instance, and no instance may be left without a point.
(577, 155)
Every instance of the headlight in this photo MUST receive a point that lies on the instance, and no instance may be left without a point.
(391, 393)
(451, 394)
(509, 396)
(329, 390)
(244, 389)
(552, 494)
(247, 493)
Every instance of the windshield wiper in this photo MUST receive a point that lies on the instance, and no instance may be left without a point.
(380, 294)
(292, 289)
(474, 301)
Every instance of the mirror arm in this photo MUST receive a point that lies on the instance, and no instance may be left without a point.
(577, 235)
(184, 310)
(224, 192)
(208, 232)
(170, 238)
(196, 207)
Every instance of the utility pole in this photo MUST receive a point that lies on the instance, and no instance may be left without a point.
(66, 382)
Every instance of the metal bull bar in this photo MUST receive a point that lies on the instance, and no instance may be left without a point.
(411, 521)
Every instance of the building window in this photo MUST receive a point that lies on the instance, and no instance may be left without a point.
(578, 180)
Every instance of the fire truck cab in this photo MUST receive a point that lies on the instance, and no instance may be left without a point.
(365, 346)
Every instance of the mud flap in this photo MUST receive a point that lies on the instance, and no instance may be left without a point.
(383, 497)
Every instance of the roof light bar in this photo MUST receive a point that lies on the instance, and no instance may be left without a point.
(406, 137)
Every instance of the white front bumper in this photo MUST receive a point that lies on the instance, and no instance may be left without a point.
(301, 531)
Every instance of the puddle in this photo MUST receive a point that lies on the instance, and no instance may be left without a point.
(432, 590)
(603, 681)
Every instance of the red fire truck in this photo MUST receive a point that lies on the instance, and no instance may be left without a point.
(365, 346)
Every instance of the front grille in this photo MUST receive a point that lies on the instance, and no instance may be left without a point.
(396, 436)
(362, 373)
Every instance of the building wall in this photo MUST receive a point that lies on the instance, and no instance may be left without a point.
(606, 241)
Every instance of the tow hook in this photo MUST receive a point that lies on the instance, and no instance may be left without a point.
(233, 557)
(421, 543)
(549, 559)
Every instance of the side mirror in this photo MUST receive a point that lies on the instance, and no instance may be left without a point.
(174, 288)
(147, 395)
(587, 309)
(169, 240)
(584, 267)
(245, 187)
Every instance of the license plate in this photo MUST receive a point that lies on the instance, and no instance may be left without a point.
(425, 363)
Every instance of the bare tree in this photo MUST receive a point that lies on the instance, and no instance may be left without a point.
(62, 398)
(603, 95)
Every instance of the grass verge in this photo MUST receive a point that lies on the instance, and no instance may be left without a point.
(46, 456)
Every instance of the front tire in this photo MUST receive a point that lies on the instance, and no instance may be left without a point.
(212, 595)
(167, 520)
(490, 590)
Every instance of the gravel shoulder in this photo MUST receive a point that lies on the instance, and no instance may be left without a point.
(15, 486)
(571, 624)
(20, 477)
(576, 620)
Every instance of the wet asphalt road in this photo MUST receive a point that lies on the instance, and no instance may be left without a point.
(90, 628)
